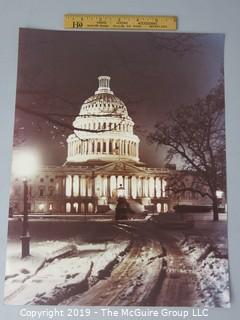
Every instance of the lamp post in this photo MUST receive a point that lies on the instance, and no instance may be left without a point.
(24, 166)
(25, 237)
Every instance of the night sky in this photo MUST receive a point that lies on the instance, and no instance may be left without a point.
(153, 73)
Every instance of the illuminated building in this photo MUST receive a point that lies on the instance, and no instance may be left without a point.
(103, 154)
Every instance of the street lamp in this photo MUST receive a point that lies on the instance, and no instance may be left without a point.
(24, 165)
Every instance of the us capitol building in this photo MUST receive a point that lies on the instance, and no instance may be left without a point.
(102, 157)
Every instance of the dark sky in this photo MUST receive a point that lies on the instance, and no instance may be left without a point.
(152, 73)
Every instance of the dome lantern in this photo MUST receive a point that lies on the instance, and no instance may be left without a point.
(104, 85)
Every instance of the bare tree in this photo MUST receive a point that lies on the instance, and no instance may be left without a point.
(196, 135)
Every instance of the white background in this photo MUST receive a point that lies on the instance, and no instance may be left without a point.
(220, 16)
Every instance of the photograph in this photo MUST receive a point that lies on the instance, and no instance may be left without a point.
(118, 183)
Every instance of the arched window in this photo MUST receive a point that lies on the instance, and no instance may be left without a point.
(159, 206)
(75, 207)
(104, 125)
(165, 207)
(104, 146)
(90, 207)
(68, 207)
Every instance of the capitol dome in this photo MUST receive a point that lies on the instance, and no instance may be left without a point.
(104, 130)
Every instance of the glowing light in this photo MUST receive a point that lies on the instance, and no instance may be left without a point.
(164, 184)
(158, 188)
(165, 207)
(83, 187)
(219, 194)
(75, 186)
(120, 191)
(41, 206)
(68, 186)
(68, 207)
(151, 187)
(25, 163)
(75, 207)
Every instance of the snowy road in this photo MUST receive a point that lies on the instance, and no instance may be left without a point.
(131, 282)
(129, 263)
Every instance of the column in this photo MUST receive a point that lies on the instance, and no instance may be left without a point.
(93, 187)
(142, 186)
(151, 187)
(68, 186)
(102, 184)
(145, 184)
(139, 187)
(129, 187)
(134, 187)
(164, 187)
(101, 146)
(75, 186)
(108, 187)
(126, 187)
(113, 184)
(62, 186)
(79, 191)
(158, 187)
(72, 187)
(89, 146)
(95, 146)
(107, 146)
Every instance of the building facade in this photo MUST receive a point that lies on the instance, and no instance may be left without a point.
(103, 155)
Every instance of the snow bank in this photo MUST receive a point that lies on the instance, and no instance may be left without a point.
(212, 273)
(102, 263)
(50, 275)
(50, 281)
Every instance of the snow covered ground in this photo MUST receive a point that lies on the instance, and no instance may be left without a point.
(210, 264)
(56, 269)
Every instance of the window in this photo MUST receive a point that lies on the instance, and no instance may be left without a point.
(159, 206)
(75, 207)
(98, 147)
(41, 180)
(41, 192)
(51, 191)
(110, 146)
(68, 207)
(90, 207)
(51, 180)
